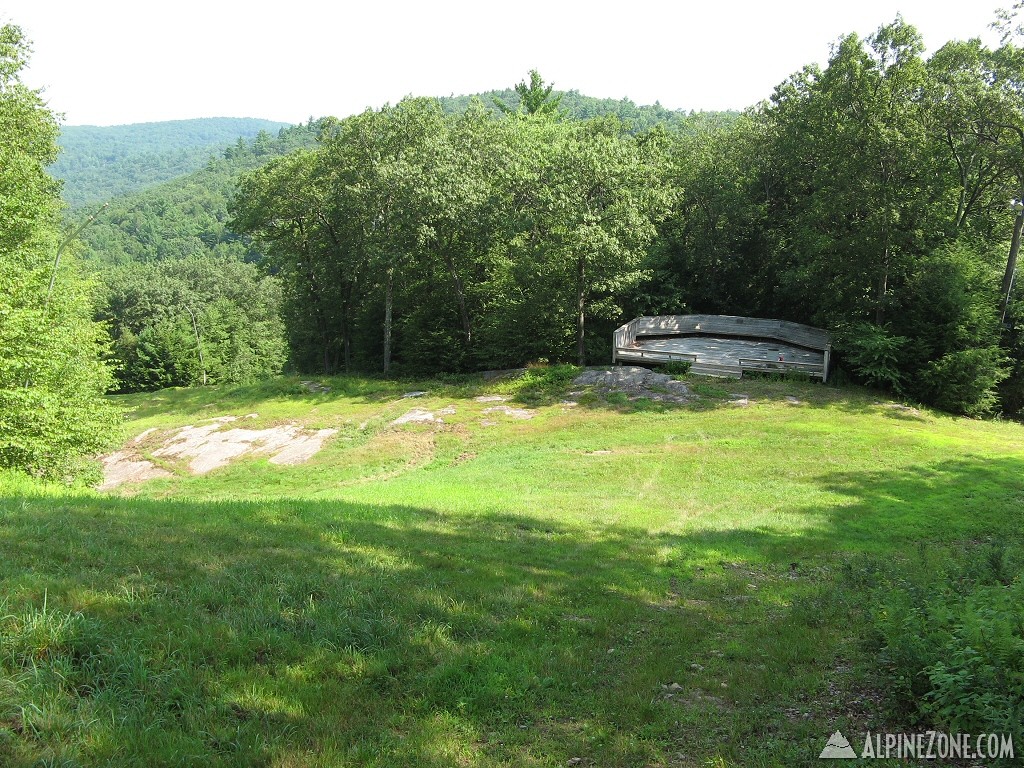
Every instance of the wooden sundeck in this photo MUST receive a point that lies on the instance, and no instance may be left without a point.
(724, 345)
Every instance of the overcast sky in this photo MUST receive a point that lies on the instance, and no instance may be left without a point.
(109, 62)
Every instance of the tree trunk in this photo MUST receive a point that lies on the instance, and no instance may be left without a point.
(1011, 264)
(346, 333)
(346, 318)
(460, 295)
(581, 276)
(882, 293)
(315, 299)
(388, 304)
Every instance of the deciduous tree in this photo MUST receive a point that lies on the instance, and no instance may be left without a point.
(53, 415)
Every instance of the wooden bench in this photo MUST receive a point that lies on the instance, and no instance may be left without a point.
(625, 345)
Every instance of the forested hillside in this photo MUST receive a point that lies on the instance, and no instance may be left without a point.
(97, 163)
(179, 292)
(187, 215)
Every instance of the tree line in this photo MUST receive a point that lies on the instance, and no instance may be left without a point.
(871, 196)
(413, 241)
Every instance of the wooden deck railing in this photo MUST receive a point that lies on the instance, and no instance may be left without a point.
(758, 364)
(657, 354)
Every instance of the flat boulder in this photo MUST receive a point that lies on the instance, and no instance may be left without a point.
(624, 378)
(415, 416)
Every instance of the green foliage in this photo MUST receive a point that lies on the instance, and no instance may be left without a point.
(237, 335)
(951, 639)
(187, 216)
(875, 355)
(99, 163)
(965, 381)
(677, 367)
(448, 230)
(544, 384)
(710, 252)
(1011, 389)
(577, 106)
(52, 413)
(534, 99)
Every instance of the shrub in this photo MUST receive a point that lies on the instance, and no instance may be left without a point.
(874, 354)
(542, 384)
(965, 382)
(677, 367)
(952, 639)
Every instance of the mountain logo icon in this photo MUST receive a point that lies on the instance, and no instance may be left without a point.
(837, 748)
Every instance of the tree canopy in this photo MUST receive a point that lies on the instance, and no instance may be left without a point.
(867, 196)
(52, 412)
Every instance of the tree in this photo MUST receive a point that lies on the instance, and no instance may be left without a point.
(53, 415)
(712, 245)
(581, 200)
(857, 173)
(191, 321)
(288, 207)
(534, 99)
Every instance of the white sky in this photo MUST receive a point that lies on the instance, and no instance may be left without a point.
(108, 62)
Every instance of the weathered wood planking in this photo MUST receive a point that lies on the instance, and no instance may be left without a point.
(627, 347)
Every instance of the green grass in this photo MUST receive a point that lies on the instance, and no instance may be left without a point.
(511, 594)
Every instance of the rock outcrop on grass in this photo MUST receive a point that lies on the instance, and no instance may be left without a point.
(208, 447)
(635, 381)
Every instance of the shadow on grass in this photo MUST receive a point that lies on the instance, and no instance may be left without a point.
(294, 633)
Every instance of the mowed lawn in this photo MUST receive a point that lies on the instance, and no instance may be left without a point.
(607, 583)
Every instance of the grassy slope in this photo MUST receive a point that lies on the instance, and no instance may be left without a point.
(515, 594)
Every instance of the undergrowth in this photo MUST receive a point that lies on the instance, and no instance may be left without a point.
(947, 626)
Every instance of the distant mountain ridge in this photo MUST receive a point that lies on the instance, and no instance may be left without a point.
(188, 214)
(185, 213)
(101, 162)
